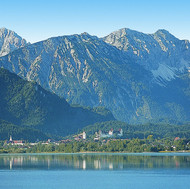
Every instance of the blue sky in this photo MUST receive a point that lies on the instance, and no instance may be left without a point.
(40, 19)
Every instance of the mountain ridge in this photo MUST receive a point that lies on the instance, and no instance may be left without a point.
(161, 52)
(90, 71)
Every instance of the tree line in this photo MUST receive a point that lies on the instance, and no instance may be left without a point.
(134, 145)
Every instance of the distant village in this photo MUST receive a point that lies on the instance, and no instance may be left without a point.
(105, 138)
(79, 137)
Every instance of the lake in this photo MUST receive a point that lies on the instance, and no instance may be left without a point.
(106, 171)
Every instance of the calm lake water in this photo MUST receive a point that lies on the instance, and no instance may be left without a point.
(106, 171)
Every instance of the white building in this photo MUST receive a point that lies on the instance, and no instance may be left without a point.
(84, 135)
(110, 132)
(120, 132)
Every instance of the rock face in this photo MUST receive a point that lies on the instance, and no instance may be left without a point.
(161, 53)
(139, 77)
(10, 41)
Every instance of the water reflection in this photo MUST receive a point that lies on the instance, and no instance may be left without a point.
(84, 164)
(93, 161)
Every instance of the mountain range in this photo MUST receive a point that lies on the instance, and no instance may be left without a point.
(139, 77)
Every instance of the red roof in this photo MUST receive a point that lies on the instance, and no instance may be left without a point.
(18, 141)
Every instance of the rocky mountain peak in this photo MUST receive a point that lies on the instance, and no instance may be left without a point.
(166, 35)
(85, 33)
(163, 31)
(87, 36)
(121, 35)
(10, 41)
(161, 53)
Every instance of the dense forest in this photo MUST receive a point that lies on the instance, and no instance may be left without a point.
(29, 107)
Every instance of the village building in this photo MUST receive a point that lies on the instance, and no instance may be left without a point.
(120, 132)
(84, 135)
(81, 136)
(18, 142)
(100, 133)
(110, 132)
(65, 141)
(96, 139)
(176, 138)
(15, 142)
(33, 143)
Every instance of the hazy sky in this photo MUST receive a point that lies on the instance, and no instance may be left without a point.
(37, 20)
